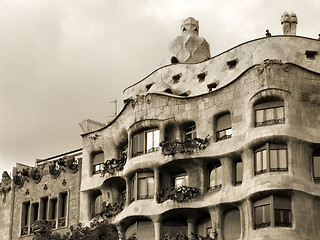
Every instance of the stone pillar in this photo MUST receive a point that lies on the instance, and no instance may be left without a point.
(191, 226)
(128, 191)
(85, 215)
(162, 131)
(156, 182)
(227, 169)
(216, 218)
(248, 161)
(129, 145)
(157, 230)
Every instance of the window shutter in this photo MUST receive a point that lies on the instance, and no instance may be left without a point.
(98, 158)
(224, 122)
(269, 104)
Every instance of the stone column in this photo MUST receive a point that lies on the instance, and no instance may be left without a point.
(227, 169)
(162, 131)
(216, 218)
(128, 191)
(248, 161)
(156, 182)
(191, 226)
(157, 230)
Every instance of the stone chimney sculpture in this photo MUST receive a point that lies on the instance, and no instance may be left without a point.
(189, 47)
(289, 23)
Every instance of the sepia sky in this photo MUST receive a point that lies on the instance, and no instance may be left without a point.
(62, 61)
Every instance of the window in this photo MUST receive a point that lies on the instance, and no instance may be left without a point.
(96, 204)
(224, 130)
(271, 158)
(98, 161)
(215, 177)
(143, 229)
(239, 173)
(34, 212)
(191, 132)
(25, 218)
(269, 113)
(145, 142)
(181, 180)
(316, 166)
(142, 186)
(231, 224)
(63, 205)
(53, 203)
(272, 211)
(43, 208)
(173, 227)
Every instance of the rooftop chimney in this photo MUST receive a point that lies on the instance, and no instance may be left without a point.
(289, 23)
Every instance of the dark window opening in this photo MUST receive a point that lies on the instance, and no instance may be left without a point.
(239, 173)
(174, 60)
(196, 29)
(201, 76)
(311, 54)
(184, 29)
(44, 208)
(97, 164)
(316, 167)
(148, 86)
(176, 78)
(168, 90)
(185, 94)
(224, 130)
(232, 64)
(212, 86)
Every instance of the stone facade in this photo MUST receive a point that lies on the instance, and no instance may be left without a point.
(228, 147)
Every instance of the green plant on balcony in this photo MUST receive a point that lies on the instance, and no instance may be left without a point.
(179, 194)
(184, 146)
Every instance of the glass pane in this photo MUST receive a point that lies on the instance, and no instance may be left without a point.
(279, 113)
(229, 131)
(258, 212)
(269, 113)
(213, 178)
(150, 182)
(282, 158)
(259, 116)
(219, 175)
(142, 188)
(181, 180)
(239, 172)
(264, 160)
(267, 218)
(149, 141)
(156, 138)
(316, 166)
(274, 159)
(258, 161)
(232, 227)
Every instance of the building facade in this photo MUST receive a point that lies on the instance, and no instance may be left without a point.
(225, 146)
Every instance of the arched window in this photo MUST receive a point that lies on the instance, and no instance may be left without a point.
(215, 177)
(231, 224)
(271, 158)
(272, 211)
(269, 113)
(97, 165)
(224, 130)
(96, 204)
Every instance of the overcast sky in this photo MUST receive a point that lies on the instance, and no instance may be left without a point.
(63, 61)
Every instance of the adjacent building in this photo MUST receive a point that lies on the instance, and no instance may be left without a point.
(226, 146)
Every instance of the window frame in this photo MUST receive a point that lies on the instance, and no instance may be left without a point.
(142, 139)
(268, 147)
(183, 176)
(315, 155)
(25, 218)
(272, 201)
(211, 169)
(191, 131)
(98, 167)
(135, 186)
(263, 106)
(236, 181)
(225, 131)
